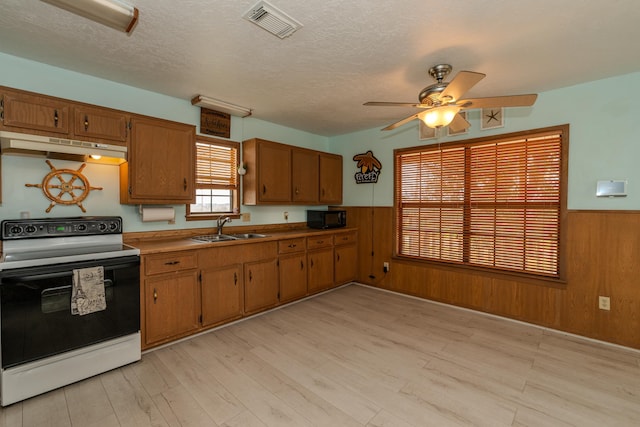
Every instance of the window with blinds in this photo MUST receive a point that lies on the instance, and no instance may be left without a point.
(492, 202)
(216, 179)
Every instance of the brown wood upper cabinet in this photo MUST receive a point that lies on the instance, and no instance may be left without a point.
(161, 163)
(280, 174)
(330, 179)
(30, 112)
(100, 123)
(27, 112)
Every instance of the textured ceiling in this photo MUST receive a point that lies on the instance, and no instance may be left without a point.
(346, 53)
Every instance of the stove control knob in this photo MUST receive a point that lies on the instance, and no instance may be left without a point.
(82, 227)
(113, 226)
(16, 229)
(30, 229)
(102, 226)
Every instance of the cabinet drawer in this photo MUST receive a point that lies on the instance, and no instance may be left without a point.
(291, 245)
(345, 238)
(157, 264)
(320, 241)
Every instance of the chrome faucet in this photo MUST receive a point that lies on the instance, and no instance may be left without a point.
(221, 222)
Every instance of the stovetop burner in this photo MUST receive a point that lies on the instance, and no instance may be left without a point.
(46, 241)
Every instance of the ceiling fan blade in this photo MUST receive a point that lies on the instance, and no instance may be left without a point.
(461, 83)
(401, 122)
(499, 101)
(393, 104)
(459, 123)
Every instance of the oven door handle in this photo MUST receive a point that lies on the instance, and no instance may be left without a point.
(61, 289)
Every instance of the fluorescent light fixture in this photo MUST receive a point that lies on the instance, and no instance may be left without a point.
(112, 13)
(440, 116)
(222, 106)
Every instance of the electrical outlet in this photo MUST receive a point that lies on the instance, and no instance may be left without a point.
(385, 267)
(604, 303)
(286, 216)
(246, 217)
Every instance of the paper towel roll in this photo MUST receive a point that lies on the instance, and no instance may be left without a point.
(158, 214)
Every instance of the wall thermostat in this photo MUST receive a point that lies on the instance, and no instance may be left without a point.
(611, 188)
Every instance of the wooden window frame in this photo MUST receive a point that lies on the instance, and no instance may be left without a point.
(465, 204)
(235, 212)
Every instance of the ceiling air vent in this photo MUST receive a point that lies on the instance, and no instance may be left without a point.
(271, 19)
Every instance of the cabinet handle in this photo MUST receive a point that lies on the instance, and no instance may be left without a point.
(311, 261)
(235, 278)
(264, 189)
(338, 257)
(155, 295)
(292, 245)
(323, 191)
(319, 242)
(86, 123)
(301, 265)
(297, 191)
(184, 184)
(55, 118)
(250, 276)
(172, 263)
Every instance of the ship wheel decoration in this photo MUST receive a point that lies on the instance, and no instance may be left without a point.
(61, 185)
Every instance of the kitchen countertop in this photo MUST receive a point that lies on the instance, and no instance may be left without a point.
(180, 243)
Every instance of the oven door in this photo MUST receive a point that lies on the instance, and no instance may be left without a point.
(36, 317)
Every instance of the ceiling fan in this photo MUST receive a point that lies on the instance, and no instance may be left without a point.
(442, 101)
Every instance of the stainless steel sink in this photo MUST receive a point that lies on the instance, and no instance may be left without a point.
(214, 238)
(248, 236)
(209, 238)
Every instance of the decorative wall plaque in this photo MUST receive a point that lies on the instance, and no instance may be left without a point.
(215, 123)
(370, 168)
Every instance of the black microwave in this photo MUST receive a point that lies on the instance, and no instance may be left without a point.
(326, 219)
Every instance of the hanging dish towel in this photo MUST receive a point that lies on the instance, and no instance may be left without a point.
(87, 292)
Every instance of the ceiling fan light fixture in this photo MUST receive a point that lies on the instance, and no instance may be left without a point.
(440, 116)
(112, 13)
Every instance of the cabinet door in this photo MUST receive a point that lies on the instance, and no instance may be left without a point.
(260, 285)
(293, 277)
(33, 112)
(330, 179)
(346, 264)
(171, 306)
(161, 163)
(304, 176)
(100, 123)
(274, 171)
(221, 294)
(320, 268)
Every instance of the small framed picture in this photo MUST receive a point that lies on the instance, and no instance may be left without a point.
(492, 118)
(425, 132)
(461, 132)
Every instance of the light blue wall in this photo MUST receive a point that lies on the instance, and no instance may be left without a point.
(604, 143)
(17, 171)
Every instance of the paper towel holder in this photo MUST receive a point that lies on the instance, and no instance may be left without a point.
(171, 219)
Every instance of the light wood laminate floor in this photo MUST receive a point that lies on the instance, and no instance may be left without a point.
(358, 356)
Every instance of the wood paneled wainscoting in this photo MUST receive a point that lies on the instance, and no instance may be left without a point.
(602, 258)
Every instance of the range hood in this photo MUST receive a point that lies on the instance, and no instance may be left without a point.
(61, 148)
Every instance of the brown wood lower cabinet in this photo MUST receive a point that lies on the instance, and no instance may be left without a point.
(320, 269)
(293, 277)
(222, 294)
(261, 285)
(171, 306)
(188, 291)
(346, 257)
(292, 268)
